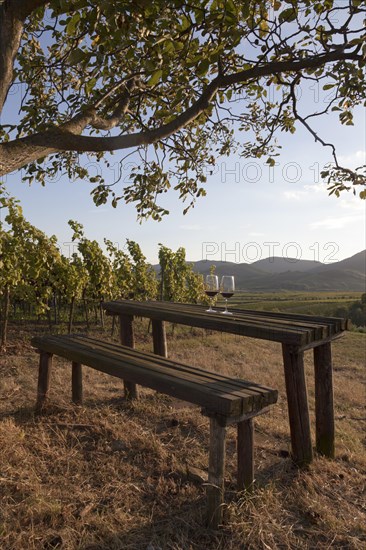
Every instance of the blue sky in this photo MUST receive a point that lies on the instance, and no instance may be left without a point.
(250, 211)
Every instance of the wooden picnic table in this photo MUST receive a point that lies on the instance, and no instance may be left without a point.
(296, 333)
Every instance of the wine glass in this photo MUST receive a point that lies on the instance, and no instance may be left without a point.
(227, 288)
(211, 289)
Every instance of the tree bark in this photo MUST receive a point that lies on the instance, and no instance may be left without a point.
(12, 16)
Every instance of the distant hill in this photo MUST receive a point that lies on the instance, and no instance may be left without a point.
(276, 273)
(276, 264)
(356, 263)
(227, 268)
(273, 274)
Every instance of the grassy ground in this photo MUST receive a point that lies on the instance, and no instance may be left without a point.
(311, 303)
(116, 475)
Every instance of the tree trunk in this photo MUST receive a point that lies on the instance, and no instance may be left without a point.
(86, 310)
(101, 312)
(71, 314)
(49, 319)
(162, 284)
(55, 308)
(5, 318)
(59, 304)
(113, 325)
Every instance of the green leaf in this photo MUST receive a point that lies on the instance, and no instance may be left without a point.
(245, 10)
(76, 56)
(90, 85)
(155, 77)
(72, 23)
(185, 22)
(203, 67)
(287, 15)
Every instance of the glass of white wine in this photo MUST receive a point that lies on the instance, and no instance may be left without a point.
(211, 289)
(227, 289)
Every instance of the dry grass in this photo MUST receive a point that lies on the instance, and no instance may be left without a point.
(115, 475)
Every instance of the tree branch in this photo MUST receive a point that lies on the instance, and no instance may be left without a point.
(16, 154)
(121, 108)
(307, 126)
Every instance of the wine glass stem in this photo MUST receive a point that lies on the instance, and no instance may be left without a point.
(225, 305)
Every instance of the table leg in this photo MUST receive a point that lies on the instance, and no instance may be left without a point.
(297, 401)
(127, 338)
(159, 337)
(324, 406)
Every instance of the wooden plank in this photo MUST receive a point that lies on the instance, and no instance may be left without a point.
(77, 383)
(321, 342)
(208, 397)
(244, 327)
(215, 395)
(295, 319)
(324, 406)
(127, 338)
(245, 454)
(237, 386)
(108, 350)
(301, 322)
(216, 474)
(337, 322)
(159, 338)
(297, 401)
(45, 365)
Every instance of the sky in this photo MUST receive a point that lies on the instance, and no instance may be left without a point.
(250, 212)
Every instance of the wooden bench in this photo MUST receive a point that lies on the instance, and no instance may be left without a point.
(224, 400)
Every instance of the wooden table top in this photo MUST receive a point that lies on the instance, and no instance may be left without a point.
(287, 328)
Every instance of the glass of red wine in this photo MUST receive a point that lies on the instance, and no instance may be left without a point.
(211, 289)
(227, 289)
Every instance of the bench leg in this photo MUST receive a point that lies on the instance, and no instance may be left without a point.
(45, 363)
(216, 473)
(245, 452)
(77, 383)
(127, 338)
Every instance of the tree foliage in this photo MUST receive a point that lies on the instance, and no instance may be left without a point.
(174, 81)
(356, 312)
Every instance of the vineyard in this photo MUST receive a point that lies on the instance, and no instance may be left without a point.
(37, 280)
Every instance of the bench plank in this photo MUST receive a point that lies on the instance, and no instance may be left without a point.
(208, 389)
(250, 387)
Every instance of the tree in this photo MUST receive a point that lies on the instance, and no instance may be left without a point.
(178, 281)
(99, 279)
(181, 77)
(144, 283)
(29, 260)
